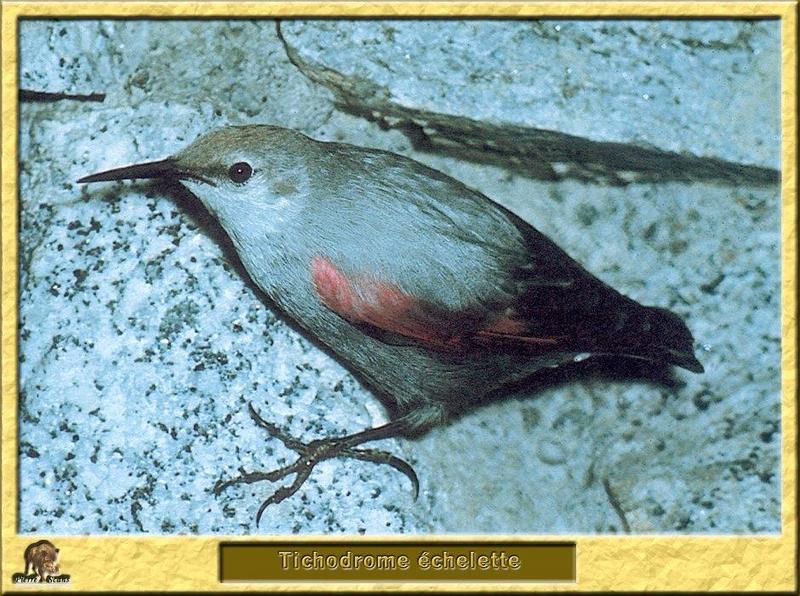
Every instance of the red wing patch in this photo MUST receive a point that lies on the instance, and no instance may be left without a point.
(361, 299)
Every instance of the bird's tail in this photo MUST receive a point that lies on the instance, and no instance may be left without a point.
(661, 335)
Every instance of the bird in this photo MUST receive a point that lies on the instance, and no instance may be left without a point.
(434, 294)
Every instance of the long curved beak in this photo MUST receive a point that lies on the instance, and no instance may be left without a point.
(165, 168)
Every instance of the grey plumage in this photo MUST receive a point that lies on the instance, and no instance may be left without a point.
(431, 291)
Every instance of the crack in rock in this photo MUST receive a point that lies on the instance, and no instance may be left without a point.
(527, 150)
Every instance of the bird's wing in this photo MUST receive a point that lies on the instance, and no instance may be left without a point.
(382, 305)
(441, 264)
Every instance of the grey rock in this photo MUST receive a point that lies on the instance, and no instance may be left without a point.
(142, 341)
(599, 100)
(61, 58)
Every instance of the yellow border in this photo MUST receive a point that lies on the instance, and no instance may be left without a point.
(604, 563)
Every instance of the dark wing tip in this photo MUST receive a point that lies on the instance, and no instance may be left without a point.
(686, 360)
(672, 339)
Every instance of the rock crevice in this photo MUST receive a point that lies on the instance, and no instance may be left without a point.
(366, 83)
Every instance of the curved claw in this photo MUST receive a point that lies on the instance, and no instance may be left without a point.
(300, 466)
(285, 492)
(316, 451)
(221, 485)
(405, 468)
(243, 478)
(383, 457)
(274, 431)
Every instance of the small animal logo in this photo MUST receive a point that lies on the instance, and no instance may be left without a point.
(41, 565)
(42, 557)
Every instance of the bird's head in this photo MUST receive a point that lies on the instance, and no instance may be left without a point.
(247, 176)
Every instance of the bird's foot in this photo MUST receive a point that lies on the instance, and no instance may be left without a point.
(310, 455)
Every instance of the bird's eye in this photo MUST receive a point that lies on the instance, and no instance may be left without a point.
(240, 172)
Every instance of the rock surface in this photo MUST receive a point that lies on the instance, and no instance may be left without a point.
(614, 100)
(142, 341)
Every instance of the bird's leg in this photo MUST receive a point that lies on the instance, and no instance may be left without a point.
(316, 451)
